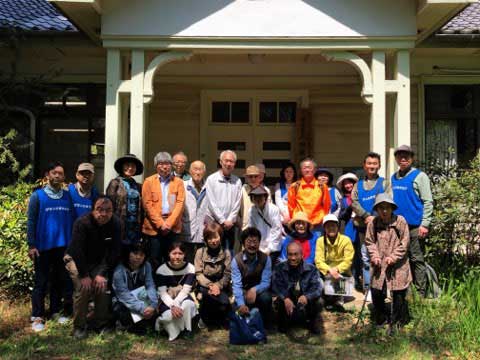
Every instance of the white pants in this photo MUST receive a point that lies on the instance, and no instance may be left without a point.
(175, 326)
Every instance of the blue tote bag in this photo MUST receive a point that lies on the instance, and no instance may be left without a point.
(245, 330)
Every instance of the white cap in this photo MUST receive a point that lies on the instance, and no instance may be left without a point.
(329, 217)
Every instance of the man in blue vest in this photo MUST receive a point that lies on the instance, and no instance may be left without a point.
(83, 192)
(49, 229)
(363, 199)
(413, 195)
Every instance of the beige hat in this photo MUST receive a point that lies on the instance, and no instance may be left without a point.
(299, 216)
(347, 176)
(86, 167)
(252, 170)
(261, 168)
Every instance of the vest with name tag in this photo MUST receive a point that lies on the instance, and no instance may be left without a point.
(366, 198)
(410, 206)
(81, 205)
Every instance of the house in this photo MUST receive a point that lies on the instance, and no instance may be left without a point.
(271, 79)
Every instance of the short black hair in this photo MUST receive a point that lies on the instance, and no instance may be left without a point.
(250, 232)
(101, 197)
(135, 247)
(53, 165)
(372, 154)
(177, 244)
(285, 167)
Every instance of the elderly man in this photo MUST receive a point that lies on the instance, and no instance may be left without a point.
(163, 198)
(180, 166)
(413, 196)
(308, 196)
(224, 195)
(253, 177)
(83, 192)
(195, 209)
(298, 288)
(90, 259)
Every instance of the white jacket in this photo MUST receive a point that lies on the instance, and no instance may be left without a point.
(194, 212)
(272, 232)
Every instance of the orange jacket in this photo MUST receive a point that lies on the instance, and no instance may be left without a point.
(309, 198)
(152, 204)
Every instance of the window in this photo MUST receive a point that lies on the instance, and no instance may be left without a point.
(277, 112)
(230, 112)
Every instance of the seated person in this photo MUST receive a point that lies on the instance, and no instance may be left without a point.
(387, 241)
(298, 287)
(334, 255)
(302, 234)
(251, 275)
(213, 272)
(175, 280)
(134, 273)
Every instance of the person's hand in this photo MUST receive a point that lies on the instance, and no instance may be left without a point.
(214, 289)
(251, 295)
(289, 306)
(369, 219)
(285, 218)
(303, 300)
(100, 283)
(376, 261)
(165, 228)
(422, 232)
(334, 273)
(176, 312)
(389, 260)
(243, 310)
(148, 312)
(227, 224)
(86, 283)
(33, 253)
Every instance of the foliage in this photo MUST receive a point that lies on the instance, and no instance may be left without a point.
(8, 159)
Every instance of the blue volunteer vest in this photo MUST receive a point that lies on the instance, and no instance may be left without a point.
(366, 198)
(55, 220)
(81, 205)
(410, 206)
(350, 229)
(333, 201)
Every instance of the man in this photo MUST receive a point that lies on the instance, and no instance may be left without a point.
(298, 288)
(308, 196)
(253, 177)
(180, 166)
(49, 229)
(413, 196)
(224, 195)
(195, 208)
(83, 192)
(90, 260)
(163, 198)
(266, 217)
(251, 275)
(363, 199)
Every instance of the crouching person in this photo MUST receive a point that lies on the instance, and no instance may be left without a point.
(387, 241)
(90, 259)
(298, 287)
(251, 275)
(135, 300)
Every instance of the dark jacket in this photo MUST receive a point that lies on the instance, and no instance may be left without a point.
(95, 248)
(285, 277)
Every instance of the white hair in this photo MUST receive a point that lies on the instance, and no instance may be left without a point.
(308, 160)
(231, 152)
(181, 153)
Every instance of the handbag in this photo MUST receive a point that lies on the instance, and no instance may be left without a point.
(247, 330)
(174, 290)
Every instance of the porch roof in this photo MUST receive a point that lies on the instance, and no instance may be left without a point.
(465, 23)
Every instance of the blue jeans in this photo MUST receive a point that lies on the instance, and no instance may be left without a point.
(365, 261)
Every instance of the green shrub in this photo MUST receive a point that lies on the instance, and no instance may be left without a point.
(16, 268)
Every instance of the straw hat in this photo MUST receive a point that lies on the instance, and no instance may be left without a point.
(299, 216)
(252, 170)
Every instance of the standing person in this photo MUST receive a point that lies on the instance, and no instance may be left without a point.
(253, 178)
(224, 196)
(175, 280)
(387, 242)
(180, 162)
(49, 229)
(413, 196)
(308, 196)
(83, 192)
(163, 197)
(90, 260)
(302, 234)
(288, 175)
(325, 176)
(266, 217)
(195, 209)
(213, 273)
(298, 288)
(363, 199)
(125, 194)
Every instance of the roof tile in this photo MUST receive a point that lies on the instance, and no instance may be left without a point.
(465, 22)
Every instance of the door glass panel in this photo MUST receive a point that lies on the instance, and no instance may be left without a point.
(287, 112)
(275, 163)
(276, 146)
(220, 112)
(240, 112)
(268, 112)
(232, 145)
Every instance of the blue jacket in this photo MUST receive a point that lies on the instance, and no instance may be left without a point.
(285, 277)
(312, 242)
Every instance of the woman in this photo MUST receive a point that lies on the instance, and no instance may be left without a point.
(213, 272)
(387, 240)
(288, 175)
(324, 176)
(175, 280)
(135, 300)
(125, 193)
(301, 233)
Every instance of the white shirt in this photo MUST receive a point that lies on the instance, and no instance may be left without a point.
(194, 211)
(271, 235)
(224, 196)
(281, 201)
(247, 204)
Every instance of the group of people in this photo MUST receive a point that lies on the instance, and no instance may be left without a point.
(183, 245)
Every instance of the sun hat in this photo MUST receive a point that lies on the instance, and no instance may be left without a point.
(329, 217)
(384, 198)
(252, 170)
(128, 158)
(347, 176)
(326, 171)
(299, 216)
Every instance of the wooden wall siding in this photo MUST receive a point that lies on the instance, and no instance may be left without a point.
(414, 108)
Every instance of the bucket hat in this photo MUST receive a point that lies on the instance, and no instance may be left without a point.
(380, 198)
(347, 176)
(128, 158)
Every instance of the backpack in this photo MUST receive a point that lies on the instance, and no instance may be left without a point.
(245, 330)
(433, 289)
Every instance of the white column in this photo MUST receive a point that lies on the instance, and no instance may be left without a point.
(112, 115)
(137, 108)
(378, 112)
(402, 107)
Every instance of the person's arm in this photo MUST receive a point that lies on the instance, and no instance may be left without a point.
(148, 205)
(211, 193)
(224, 282)
(424, 191)
(32, 216)
(314, 286)
(150, 285)
(76, 248)
(292, 199)
(123, 294)
(348, 253)
(236, 202)
(320, 261)
(401, 250)
(201, 278)
(237, 285)
(275, 235)
(279, 200)
(356, 206)
(162, 288)
(279, 284)
(370, 241)
(327, 202)
(266, 277)
(176, 214)
(186, 288)
(112, 192)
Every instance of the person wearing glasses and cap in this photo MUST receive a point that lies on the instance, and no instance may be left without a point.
(83, 192)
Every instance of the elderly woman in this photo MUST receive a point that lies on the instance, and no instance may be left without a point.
(387, 241)
(288, 175)
(125, 194)
(302, 234)
(213, 272)
(175, 280)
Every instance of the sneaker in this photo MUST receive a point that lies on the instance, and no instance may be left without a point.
(38, 324)
(369, 296)
(80, 334)
(201, 324)
(60, 319)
